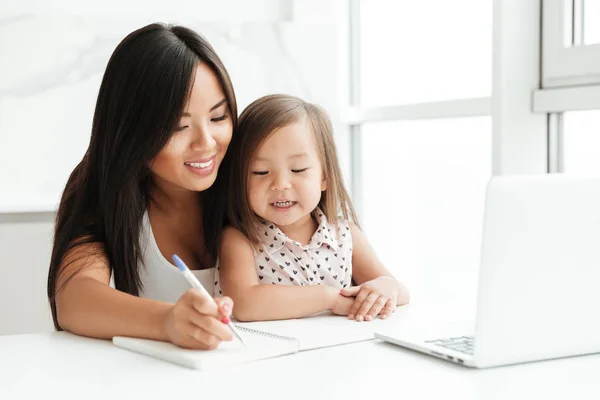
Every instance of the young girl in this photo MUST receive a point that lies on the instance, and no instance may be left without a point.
(294, 247)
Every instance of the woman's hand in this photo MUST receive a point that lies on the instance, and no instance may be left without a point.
(196, 322)
(372, 298)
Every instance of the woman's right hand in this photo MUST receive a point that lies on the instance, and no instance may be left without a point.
(196, 322)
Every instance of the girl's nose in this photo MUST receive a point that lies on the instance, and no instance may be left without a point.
(281, 182)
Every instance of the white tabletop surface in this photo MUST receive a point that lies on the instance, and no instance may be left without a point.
(62, 365)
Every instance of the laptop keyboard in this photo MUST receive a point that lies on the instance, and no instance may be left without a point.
(464, 344)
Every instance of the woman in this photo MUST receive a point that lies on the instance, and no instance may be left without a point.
(146, 189)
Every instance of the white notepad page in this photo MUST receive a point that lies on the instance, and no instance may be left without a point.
(323, 330)
(259, 346)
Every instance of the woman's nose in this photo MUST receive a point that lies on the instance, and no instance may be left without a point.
(203, 140)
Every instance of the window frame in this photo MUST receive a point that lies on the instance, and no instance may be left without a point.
(566, 60)
(570, 79)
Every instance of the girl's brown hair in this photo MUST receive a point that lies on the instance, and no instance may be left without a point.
(256, 123)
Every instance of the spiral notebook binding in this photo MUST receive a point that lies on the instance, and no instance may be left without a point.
(265, 334)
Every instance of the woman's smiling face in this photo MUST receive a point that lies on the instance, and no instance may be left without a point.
(191, 158)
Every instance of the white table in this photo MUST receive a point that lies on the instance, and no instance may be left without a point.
(61, 365)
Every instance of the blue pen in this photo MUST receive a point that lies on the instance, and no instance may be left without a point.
(191, 278)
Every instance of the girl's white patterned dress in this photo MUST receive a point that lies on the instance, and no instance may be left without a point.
(325, 260)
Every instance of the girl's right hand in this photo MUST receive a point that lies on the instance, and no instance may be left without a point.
(196, 322)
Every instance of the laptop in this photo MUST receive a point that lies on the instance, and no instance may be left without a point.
(539, 280)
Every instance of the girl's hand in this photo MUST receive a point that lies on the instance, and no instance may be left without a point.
(379, 296)
(197, 322)
(341, 304)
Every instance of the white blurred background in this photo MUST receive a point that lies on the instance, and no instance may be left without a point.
(429, 99)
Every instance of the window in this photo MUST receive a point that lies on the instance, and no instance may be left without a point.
(591, 24)
(424, 185)
(570, 92)
(421, 142)
(424, 51)
(571, 49)
(581, 141)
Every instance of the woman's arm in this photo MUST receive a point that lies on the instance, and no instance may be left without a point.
(86, 305)
(255, 301)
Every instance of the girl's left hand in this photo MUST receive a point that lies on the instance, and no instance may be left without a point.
(379, 296)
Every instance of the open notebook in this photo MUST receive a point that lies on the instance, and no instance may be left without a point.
(323, 330)
(259, 346)
(264, 340)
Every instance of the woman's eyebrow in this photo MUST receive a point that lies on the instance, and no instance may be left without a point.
(219, 104)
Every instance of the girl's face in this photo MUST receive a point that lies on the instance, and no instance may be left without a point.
(191, 158)
(285, 176)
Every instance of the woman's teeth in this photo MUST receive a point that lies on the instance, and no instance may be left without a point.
(283, 203)
(200, 164)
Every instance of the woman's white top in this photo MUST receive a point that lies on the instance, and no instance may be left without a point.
(160, 278)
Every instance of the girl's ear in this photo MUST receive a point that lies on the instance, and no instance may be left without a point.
(323, 184)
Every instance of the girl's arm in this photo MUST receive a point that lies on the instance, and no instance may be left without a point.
(86, 305)
(377, 290)
(255, 301)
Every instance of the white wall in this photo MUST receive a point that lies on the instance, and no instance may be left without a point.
(53, 56)
(25, 246)
(48, 92)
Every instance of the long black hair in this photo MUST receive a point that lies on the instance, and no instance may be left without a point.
(143, 93)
